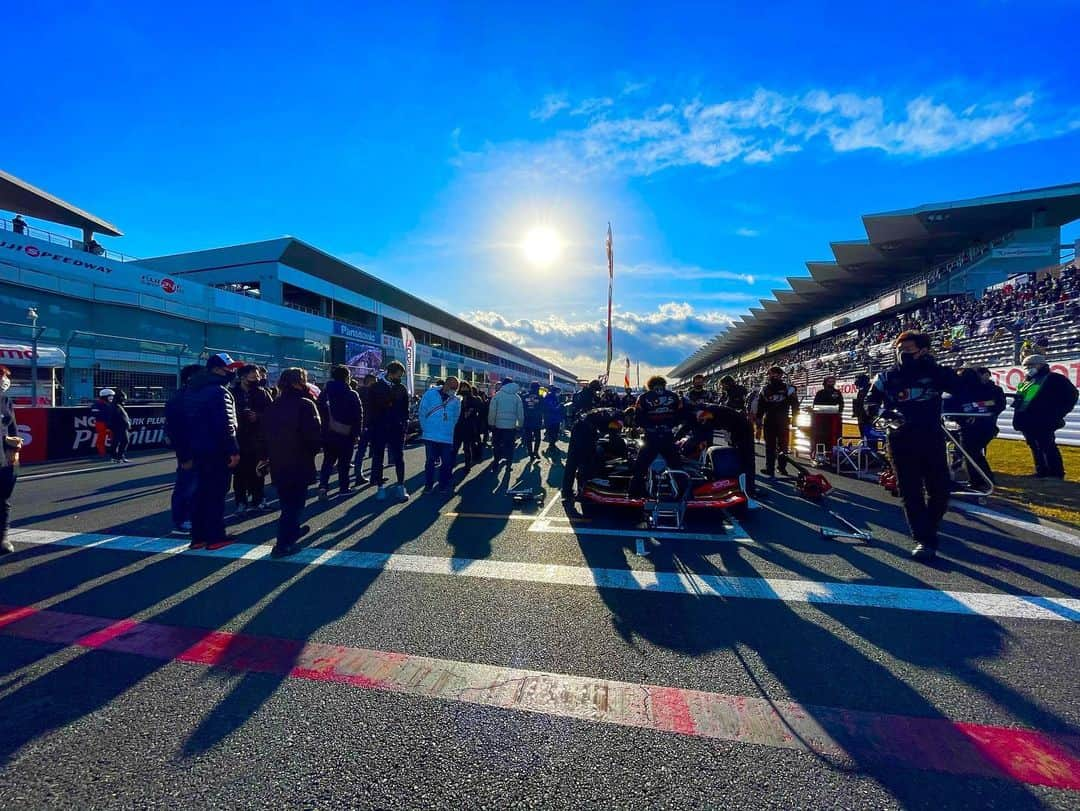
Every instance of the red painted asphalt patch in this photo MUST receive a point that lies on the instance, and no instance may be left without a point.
(934, 744)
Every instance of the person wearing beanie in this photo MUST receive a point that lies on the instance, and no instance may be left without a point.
(1040, 405)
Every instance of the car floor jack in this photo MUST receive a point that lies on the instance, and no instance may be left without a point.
(950, 426)
(813, 487)
(527, 495)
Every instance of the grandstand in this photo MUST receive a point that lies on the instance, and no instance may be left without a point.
(984, 276)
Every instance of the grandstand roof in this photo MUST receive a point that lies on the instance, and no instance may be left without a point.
(900, 244)
(22, 198)
(297, 254)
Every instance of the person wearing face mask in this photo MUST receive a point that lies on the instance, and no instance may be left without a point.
(828, 428)
(389, 421)
(911, 392)
(858, 407)
(293, 437)
(251, 401)
(582, 458)
(977, 395)
(658, 413)
(776, 408)
(440, 410)
(9, 458)
(734, 395)
(698, 395)
(1040, 405)
(101, 410)
(210, 429)
(120, 428)
(532, 419)
(342, 419)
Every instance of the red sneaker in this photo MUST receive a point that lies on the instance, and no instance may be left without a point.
(197, 545)
(221, 544)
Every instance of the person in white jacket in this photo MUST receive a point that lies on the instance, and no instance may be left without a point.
(440, 409)
(506, 415)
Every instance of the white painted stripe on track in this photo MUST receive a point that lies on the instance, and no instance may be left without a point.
(1035, 527)
(72, 471)
(985, 604)
(736, 535)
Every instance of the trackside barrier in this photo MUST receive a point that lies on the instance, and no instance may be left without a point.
(67, 433)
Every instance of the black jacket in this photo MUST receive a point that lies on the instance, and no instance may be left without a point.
(389, 405)
(858, 410)
(176, 426)
(210, 417)
(778, 401)
(251, 405)
(1042, 402)
(344, 403)
(735, 397)
(293, 437)
(914, 391)
(660, 412)
(977, 398)
(119, 419)
(830, 397)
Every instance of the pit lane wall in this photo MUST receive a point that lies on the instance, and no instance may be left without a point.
(68, 433)
(1008, 377)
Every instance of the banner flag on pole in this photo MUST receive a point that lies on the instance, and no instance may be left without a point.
(639, 374)
(626, 376)
(610, 285)
(410, 360)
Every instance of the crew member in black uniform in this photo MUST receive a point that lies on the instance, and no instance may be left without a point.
(828, 429)
(777, 408)
(734, 395)
(581, 454)
(587, 399)
(910, 392)
(701, 427)
(659, 413)
(698, 395)
(858, 407)
(978, 394)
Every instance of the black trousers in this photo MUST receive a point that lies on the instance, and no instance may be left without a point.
(248, 486)
(387, 440)
(975, 440)
(337, 452)
(922, 476)
(8, 475)
(291, 497)
(1045, 453)
(121, 438)
(656, 445)
(531, 437)
(208, 503)
(776, 440)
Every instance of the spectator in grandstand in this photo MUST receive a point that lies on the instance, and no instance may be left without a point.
(1041, 403)
(440, 410)
(389, 422)
(293, 437)
(176, 434)
(210, 431)
(363, 441)
(94, 247)
(120, 428)
(101, 412)
(342, 417)
(979, 396)
(18, 225)
(553, 416)
(732, 394)
(909, 396)
(776, 408)
(251, 401)
(532, 420)
(9, 456)
(506, 415)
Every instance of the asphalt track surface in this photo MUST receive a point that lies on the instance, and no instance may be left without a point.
(462, 651)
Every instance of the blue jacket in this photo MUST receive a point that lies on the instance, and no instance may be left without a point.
(534, 409)
(210, 417)
(553, 409)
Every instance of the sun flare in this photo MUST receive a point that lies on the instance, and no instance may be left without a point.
(542, 246)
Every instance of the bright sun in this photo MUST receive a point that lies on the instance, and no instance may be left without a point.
(541, 246)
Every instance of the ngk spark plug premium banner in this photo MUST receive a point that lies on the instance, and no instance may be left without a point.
(70, 431)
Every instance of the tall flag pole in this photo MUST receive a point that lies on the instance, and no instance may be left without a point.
(626, 375)
(610, 286)
(639, 374)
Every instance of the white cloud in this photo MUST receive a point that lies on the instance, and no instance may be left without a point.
(550, 107)
(767, 125)
(659, 339)
(747, 232)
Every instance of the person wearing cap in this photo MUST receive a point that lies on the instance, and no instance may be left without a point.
(776, 408)
(506, 415)
(101, 410)
(533, 419)
(9, 430)
(1041, 403)
(120, 428)
(210, 428)
(588, 398)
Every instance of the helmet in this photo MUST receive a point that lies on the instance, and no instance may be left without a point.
(106, 393)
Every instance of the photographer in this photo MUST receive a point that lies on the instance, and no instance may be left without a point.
(909, 396)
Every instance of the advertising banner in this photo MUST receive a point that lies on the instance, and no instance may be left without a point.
(363, 359)
(70, 431)
(409, 343)
(355, 333)
(33, 428)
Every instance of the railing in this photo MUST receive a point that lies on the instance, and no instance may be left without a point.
(294, 306)
(64, 241)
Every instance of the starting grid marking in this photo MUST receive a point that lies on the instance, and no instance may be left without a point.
(985, 604)
(934, 744)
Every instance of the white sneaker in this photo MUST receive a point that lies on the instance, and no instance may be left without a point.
(381, 494)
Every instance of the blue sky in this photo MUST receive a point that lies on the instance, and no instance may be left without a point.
(727, 143)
